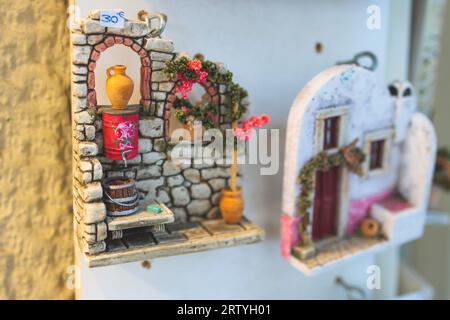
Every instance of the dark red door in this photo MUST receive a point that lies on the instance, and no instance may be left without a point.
(325, 204)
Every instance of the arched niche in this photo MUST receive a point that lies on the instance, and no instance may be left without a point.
(145, 69)
(207, 87)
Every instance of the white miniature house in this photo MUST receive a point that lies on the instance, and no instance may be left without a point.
(356, 152)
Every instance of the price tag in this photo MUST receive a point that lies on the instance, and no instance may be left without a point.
(112, 18)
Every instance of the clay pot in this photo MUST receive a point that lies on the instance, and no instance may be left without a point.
(231, 206)
(119, 87)
(370, 228)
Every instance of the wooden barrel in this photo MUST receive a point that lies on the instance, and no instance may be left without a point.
(120, 196)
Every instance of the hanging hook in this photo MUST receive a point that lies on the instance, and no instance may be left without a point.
(357, 60)
(148, 17)
(350, 290)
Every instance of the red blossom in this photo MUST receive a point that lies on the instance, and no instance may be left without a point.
(245, 130)
(265, 118)
(184, 86)
(194, 65)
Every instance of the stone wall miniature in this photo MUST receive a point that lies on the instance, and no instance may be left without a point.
(192, 191)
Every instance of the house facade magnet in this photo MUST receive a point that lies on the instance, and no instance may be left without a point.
(358, 168)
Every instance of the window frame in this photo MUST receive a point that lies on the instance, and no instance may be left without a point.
(385, 135)
(341, 112)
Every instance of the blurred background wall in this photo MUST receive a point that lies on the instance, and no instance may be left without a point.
(430, 255)
(35, 181)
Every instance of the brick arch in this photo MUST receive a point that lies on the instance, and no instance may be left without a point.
(210, 89)
(108, 42)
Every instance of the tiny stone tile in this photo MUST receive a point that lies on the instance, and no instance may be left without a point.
(79, 90)
(159, 56)
(132, 28)
(78, 38)
(220, 227)
(92, 26)
(115, 245)
(200, 191)
(169, 237)
(158, 65)
(81, 54)
(85, 165)
(158, 44)
(145, 145)
(86, 149)
(151, 127)
(138, 240)
(102, 231)
(149, 172)
(152, 157)
(94, 39)
(193, 175)
(176, 180)
(79, 104)
(175, 227)
(159, 76)
(196, 233)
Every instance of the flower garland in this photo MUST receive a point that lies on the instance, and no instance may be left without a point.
(349, 155)
(188, 72)
(187, 114)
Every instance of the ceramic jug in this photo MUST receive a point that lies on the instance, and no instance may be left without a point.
(119, 87)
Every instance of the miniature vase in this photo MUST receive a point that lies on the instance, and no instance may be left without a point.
(231, 206)
(119, 87)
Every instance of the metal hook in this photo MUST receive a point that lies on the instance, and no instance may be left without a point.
(148, 17)
(359, 56)
(350, 290)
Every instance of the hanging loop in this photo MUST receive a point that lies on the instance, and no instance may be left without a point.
(148, 17)
(352, 292)
(359, 58)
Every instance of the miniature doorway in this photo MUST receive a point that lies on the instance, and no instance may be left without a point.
(326, 201)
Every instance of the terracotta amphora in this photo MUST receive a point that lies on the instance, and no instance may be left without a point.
(119, 87)
(231, 206)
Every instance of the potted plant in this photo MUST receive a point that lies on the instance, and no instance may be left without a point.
(231, 203)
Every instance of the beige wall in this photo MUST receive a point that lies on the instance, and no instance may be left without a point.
(35, 150)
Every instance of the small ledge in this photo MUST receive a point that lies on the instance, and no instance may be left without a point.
(176, 239)
(140, 219)
(335, 252)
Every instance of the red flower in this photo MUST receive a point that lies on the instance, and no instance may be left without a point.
(264, 118)
(201, 76)
(242, 134)
(245, 130)
(195, 65)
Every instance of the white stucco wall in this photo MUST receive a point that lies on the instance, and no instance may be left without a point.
(370, 108)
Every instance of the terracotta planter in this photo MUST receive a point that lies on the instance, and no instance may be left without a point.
(231, 206)
(119, 87)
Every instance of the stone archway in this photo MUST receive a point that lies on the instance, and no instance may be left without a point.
(106, 43)
(210, 89)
